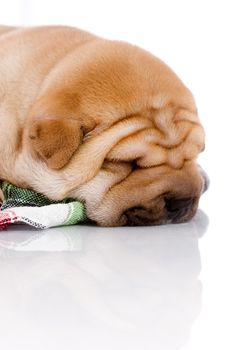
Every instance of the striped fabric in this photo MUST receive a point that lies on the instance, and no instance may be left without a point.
(26, 206)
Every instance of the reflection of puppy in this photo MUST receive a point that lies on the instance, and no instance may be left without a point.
(101, 120)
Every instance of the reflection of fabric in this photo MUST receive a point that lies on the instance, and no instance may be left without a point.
(26, 206)
(28, 239)
(130, 288)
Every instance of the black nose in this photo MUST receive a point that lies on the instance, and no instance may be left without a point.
(178, 208)
(206, 181)
(205, 178)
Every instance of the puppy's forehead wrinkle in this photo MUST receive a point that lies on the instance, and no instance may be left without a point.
(172, 140)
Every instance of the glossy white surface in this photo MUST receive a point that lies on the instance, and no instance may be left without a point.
(85, 287)
(163, 288)
(93, 288)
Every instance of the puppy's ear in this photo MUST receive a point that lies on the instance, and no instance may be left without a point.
(55, 140)
(55, 128)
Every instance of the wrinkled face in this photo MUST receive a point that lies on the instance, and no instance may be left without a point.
(127, 138)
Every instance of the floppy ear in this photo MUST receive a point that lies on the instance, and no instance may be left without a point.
(55, 128)
(55, 140)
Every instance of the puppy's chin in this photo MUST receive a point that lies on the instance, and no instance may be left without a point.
(123, 196)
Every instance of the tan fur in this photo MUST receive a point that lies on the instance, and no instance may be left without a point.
(104, 121)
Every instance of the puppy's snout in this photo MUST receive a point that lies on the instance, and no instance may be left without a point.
(162, 210)
(205, 178)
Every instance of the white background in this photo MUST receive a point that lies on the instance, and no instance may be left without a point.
(195, 38)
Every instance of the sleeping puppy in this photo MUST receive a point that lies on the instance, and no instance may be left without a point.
(101, 121)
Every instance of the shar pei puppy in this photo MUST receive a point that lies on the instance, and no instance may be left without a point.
(102, 121)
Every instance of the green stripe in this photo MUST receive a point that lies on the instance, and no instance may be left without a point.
(76, 213)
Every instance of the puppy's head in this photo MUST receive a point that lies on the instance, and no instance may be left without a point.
(136, 165)
(150, 174)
